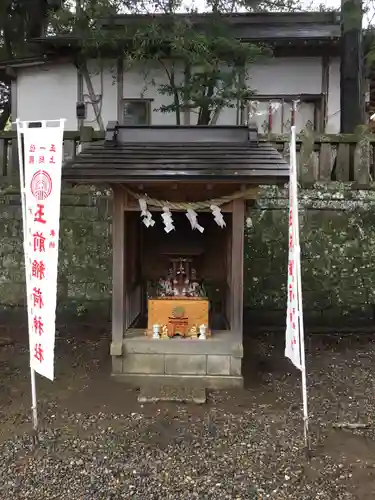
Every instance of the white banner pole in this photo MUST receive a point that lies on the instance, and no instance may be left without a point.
(34, 410)
(294, 187)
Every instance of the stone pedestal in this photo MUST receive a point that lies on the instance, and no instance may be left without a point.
(214, 363)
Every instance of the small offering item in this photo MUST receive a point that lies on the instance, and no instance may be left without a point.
(202, 332)
(156, 331)
(164, 332)
(194, 332)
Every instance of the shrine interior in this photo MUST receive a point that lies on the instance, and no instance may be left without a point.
(153, 257)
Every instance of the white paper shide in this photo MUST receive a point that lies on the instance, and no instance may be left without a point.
(42, 193)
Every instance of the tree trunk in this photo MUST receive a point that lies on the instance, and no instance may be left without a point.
(176, 99)
(4, 117)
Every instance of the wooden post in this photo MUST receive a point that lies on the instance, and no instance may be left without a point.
(86, 136)
(351, 98)
(118, 271)
(326, 161)
(3, 157)
(362, 158)
(308, 164)
(238, 233)
(343, 162)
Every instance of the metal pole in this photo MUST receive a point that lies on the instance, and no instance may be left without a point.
(34, 411)
(294, 186)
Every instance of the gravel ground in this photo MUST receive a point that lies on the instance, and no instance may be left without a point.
(97, 442)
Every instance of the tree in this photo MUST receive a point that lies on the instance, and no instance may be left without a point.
(202, 48)
(4, 104)
(20, 20)
(214, 65)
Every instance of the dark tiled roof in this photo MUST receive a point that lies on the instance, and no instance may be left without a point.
(139, 161)
(253, 26)
(306, 32)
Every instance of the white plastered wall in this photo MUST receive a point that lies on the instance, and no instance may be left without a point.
(50, 91)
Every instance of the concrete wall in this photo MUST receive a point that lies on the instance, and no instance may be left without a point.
(50, 92)
(338, 245)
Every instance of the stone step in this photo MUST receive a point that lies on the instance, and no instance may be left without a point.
(155, 393)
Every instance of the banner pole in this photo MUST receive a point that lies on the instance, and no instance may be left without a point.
(294, 186)
(34, 410)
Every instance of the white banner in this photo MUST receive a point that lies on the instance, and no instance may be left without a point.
(293, 333)
(42, 155)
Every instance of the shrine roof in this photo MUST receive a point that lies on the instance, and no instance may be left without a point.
(140, 153)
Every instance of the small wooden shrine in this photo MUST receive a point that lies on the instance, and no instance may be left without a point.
(180, 200)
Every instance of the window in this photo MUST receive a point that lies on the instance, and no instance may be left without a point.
(136, 111)
(275, 114)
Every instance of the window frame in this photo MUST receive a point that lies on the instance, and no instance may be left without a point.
(318, 100)
(147, 102)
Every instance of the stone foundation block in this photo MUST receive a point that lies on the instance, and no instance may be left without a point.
(179, 364)
(235, 366)
(117, 364)
(218, 365)
(152, 394)
(143, 363)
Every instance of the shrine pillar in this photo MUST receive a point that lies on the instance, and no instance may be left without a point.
(118, 279)
(237, 267)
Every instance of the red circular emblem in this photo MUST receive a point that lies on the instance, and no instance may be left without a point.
(41, 185)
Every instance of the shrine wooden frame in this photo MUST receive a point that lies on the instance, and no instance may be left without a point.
(120, 291)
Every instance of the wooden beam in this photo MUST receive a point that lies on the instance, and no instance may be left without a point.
(120, 90)
(323, 112)
(13, 165)
(277, 140)
(80, 98)
(118, 271)
(237, 263)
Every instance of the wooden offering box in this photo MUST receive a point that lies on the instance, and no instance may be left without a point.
(179, 314)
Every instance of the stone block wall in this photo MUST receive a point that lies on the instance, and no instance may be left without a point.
(338, 254)
(220, 357)
(180, 364)
(85, 265)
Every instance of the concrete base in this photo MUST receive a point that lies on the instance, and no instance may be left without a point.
(214, 363)
(151, 394)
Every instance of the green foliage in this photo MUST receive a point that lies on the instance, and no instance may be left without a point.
(19, 21)
(206, 67)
